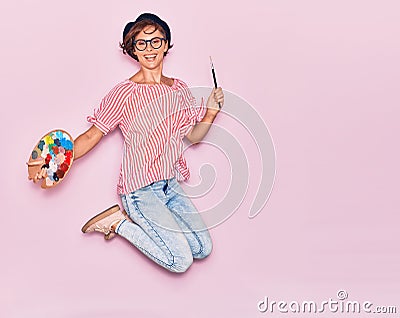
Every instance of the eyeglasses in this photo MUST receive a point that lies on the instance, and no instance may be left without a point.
(141, 45)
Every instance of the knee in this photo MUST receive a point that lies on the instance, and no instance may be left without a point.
(181, 257)
(205, 248)
(181, 264)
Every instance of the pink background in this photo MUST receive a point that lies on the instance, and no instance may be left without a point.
(323, 75)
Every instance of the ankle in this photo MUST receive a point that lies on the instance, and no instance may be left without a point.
(114, 226)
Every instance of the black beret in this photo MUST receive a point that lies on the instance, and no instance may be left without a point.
(151, 17)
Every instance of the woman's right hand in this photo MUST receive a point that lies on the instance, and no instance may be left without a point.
(35, 170)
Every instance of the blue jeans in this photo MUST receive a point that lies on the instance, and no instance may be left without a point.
(167, 227)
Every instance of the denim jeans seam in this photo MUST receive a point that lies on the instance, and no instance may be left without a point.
(191, 231)
(123, 221)
(172, 262)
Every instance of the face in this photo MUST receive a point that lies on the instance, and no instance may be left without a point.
(151, 58)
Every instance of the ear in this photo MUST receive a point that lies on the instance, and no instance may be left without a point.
(166, 45)
(133, 55)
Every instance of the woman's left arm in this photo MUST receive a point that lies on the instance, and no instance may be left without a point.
(201, 129)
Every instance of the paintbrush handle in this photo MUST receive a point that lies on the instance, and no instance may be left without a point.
(215, 83)
(214, 77)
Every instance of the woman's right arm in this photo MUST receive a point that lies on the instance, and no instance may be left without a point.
(86, 142)
(82, 145)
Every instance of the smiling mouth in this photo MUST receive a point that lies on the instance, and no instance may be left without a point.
(150, 57)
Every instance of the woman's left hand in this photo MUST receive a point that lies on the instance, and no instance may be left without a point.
(214, 104)
(215, 101)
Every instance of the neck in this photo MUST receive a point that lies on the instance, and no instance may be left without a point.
(151, 76)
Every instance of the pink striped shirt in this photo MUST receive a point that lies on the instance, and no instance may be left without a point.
(153, 119)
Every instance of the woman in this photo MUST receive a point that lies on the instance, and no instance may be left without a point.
(154, 113)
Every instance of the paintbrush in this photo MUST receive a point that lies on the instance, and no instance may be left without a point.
(214, 77)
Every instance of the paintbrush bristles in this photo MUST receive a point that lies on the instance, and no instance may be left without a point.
(212, 65)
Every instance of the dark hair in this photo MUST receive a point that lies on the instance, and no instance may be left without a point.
(127, 44)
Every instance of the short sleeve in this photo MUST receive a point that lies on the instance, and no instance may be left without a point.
(111, 109)
(193, 112)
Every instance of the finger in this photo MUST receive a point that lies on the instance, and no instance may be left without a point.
(219, 94)
(213, 93)
(41, 174)
(219, 97)
(212, 98)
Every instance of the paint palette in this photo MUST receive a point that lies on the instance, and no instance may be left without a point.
(51, 158)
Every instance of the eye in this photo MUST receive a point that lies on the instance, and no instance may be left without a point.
(156, 42)
(140, 44)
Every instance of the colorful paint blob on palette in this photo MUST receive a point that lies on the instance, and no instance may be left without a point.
(52, 156)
